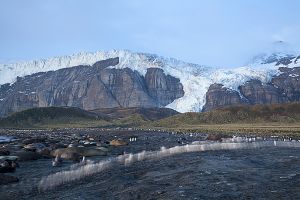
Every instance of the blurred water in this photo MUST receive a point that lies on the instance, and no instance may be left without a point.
(257, 170)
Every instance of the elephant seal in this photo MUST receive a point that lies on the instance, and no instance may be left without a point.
(8, 164)
(74, 153)
(118, 142)
(27, 155)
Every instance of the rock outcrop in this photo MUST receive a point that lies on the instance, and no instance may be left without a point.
(288, 83)
(219, 96)
(258, 93)
(90, 87)
(283, 88)
(163, 89)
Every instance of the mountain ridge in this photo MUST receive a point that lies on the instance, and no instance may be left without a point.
(195, 79)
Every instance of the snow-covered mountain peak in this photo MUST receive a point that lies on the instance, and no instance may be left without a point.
(136, 61)
(269, 58)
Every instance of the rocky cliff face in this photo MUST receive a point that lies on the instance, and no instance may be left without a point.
(220, 96)
(90, 87)
(288, 83)
(282, 88)
(256, 92)
(161, 87)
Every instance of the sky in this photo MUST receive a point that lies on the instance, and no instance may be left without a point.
(223, 33)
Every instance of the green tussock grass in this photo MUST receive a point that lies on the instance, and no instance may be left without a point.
(281, 119)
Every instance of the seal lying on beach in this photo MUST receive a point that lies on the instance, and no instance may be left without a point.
(73, 153)
(8, 164)
(118, 142)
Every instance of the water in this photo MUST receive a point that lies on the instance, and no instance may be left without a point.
(248, 171)
(4, 139)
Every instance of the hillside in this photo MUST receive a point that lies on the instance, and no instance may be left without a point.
(50, 115)
(238, 114)
(76, 117)
(277, 119)
(146, 113)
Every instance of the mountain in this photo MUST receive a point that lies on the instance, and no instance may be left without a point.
(90, 88)
(125, 79)
(269, 58)
(283, 87)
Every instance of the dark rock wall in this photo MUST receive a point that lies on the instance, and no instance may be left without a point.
(258, 93)
(90, 87)
(289, 83)
(164, 89)
(218, 96)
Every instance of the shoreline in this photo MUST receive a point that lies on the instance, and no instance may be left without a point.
(283, 131)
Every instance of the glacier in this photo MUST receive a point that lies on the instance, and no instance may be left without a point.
(195, 78)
